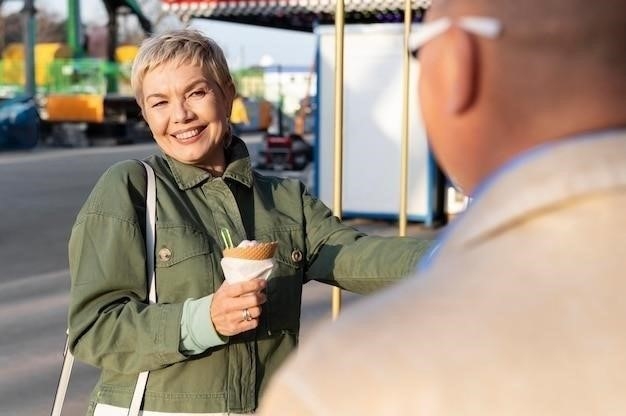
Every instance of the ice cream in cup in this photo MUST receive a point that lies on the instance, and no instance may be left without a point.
(249, 260)
(252, 250)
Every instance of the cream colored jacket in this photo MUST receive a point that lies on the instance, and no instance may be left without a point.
(522, 310)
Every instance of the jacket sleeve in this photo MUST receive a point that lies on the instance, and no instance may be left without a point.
(344, 257)
(111, 324)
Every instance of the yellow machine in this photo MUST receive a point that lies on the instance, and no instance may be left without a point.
(79, 93)
(45, 53)
(72, 90)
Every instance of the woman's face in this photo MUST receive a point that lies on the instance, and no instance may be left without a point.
(187, 114)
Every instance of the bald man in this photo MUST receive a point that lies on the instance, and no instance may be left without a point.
(522, 308)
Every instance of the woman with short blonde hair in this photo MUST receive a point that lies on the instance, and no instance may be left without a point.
(210, 345)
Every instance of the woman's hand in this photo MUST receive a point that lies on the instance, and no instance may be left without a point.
(230, 303)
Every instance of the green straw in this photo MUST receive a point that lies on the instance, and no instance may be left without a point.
(226, 237)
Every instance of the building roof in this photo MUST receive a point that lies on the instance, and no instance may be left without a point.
(302, 15)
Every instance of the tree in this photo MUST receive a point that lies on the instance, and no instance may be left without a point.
(49, 28)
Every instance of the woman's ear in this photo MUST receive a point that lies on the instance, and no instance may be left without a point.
(463, 81)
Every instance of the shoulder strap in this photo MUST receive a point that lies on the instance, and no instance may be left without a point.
(68, 357)
(142, 379)
(151, 231)
(64, 379)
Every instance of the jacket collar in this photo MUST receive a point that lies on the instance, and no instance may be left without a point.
(238, 168)
(543, 178)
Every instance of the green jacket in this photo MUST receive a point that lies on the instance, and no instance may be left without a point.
(112, 326)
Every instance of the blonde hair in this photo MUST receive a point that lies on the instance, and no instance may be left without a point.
(186, 46)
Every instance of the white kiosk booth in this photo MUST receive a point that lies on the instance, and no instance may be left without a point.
(373, 60)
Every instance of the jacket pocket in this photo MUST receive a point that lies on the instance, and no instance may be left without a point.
(284, 288)
(185, 267)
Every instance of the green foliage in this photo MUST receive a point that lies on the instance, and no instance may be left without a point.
(50, 28)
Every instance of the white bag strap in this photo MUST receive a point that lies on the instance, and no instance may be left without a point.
(64, 379)
(151, 231)
(142, 379)
(68, 357)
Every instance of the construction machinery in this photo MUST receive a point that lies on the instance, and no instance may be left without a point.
(80, 99)
(88, 99)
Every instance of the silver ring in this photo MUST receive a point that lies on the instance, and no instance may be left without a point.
(246, 315)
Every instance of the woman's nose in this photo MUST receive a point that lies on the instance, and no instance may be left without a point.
(182, 113)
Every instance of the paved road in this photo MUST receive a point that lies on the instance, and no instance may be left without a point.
(40, 194)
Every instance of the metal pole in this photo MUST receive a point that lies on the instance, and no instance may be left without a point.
(280, 100)
(112, 45)
(338, 158)
(29, 34)
(74, 28)
(404, 153)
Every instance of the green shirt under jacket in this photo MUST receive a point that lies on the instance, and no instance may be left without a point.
(112, 326)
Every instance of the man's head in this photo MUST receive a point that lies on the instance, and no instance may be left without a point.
(547, 69)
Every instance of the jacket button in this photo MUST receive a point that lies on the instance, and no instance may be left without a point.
(296, 256)
(165, 254)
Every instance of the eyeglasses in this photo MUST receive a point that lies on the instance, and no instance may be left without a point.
(487, 27)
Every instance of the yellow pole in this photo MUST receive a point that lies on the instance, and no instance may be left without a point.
(404, 156)
(338, 157)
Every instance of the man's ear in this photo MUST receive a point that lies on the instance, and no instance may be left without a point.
(463, 61)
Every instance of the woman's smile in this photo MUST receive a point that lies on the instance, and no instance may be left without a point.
(186, 136)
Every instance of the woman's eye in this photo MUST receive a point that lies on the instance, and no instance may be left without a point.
(198, 94)
(158, 104)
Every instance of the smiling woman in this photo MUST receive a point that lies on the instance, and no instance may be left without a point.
(188, 116)
(211, 346)
(186, 98)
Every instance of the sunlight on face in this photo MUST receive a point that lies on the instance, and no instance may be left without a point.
(187, 114)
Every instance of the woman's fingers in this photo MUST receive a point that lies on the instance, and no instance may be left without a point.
(241, 320)
(236, 308)
(249, 319)
(251, 314)
(250, 286)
